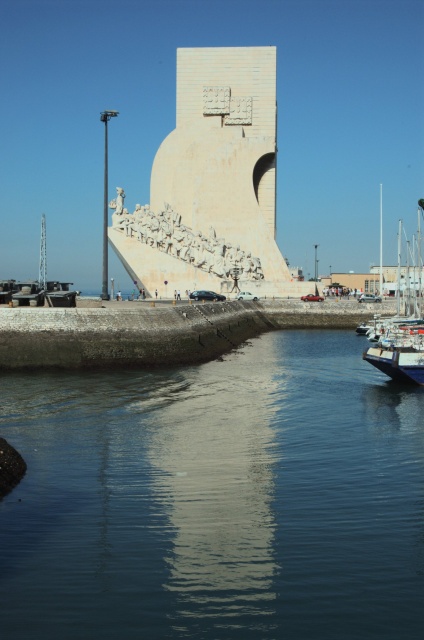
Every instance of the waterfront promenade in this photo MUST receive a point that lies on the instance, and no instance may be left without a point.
(140, 334)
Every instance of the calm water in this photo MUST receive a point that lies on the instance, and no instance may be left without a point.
(278, 493)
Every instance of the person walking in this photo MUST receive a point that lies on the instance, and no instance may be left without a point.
(156, 294)
(178, 295)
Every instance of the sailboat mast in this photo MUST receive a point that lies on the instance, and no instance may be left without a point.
(381, 240)
(398, 269)
(420, 268)
(42, 276)
(407, 282)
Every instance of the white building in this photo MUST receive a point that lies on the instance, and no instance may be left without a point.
(213, 183)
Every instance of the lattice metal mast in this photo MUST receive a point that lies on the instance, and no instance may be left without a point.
(42, 276)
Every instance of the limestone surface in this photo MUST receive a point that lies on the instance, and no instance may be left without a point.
(211, 220)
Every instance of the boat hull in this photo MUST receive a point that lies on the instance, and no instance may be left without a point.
(65, 299)
(398, 365)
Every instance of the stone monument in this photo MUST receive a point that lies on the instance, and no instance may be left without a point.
(213, 183)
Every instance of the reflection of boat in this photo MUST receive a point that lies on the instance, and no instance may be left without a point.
(59, 295)
(6, 290)
(28, 294)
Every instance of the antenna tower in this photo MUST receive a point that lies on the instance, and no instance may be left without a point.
(42, 277)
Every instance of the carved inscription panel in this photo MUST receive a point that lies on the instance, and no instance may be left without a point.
(216, 100)
(240, 111)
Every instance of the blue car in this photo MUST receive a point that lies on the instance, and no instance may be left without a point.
(207, 295)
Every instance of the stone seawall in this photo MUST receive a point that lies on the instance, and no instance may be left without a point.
(136, 334)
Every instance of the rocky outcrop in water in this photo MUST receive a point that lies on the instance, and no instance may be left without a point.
(12, 467)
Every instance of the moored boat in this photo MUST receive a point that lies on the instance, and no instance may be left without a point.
(28, 294)
(400, 352)
(7, 287)
(58, 294)
(405, 364)
(363, 328)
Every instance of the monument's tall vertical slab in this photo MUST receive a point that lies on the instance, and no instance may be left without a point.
(213, 181)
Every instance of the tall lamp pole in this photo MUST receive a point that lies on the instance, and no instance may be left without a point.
(316, 262)
(105, 116)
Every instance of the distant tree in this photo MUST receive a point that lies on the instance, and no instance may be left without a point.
(421, 203)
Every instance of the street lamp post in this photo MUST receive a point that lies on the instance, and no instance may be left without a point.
(105, 116)
(316, 262)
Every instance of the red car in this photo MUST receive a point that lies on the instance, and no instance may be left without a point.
(311, 297)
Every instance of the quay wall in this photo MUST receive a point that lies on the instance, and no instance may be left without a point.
(137, 334)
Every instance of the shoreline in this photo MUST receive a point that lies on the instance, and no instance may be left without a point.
(111, 334)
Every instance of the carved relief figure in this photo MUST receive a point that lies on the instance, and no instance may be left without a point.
(165, 232)
(219, 262)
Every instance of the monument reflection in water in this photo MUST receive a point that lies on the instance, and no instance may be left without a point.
(214, 456)
(276, 493)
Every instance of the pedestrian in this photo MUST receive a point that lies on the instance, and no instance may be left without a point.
(143, 294)
(119, 296)
(178, 295)
(156, 293)
(175, 294)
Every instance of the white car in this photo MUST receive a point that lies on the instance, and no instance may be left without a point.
(246, 295)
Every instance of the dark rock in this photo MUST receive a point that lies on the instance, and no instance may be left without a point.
(12, 467)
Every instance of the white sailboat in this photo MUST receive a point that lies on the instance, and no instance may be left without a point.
(400, 351)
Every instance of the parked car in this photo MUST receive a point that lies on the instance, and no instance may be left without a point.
(246, 295)
(207, 295)
(368, 297)
(311, 297)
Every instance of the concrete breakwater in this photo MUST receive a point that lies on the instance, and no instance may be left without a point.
(137, 334)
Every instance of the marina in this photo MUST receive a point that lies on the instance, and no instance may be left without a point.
(216, 433)
(399, 348)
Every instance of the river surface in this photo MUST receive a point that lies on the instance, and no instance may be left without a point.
(277, 493)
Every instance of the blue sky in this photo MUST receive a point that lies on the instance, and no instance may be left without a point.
(351, 117)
